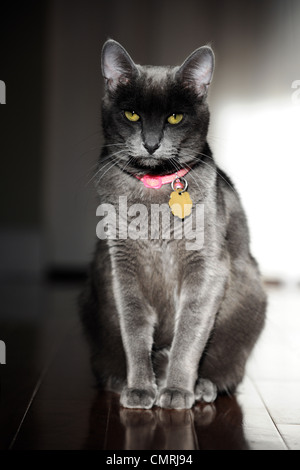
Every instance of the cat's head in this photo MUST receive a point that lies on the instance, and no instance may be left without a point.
(155, 118)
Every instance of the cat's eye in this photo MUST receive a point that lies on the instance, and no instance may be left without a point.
(132, 116)
(175, 118)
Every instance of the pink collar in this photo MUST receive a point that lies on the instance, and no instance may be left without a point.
(156, 182)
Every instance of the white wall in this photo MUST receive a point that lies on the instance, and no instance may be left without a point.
(258, 145)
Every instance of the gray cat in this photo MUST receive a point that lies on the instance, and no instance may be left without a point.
(171, 308)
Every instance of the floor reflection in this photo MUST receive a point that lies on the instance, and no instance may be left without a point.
(205, 427)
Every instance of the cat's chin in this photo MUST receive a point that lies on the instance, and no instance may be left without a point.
(152, 166)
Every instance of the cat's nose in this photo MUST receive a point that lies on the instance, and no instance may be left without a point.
(151, 146)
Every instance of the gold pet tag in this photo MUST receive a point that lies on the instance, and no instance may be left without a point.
(180, 203)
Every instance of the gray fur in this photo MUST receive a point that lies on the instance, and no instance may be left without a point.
(166, 325)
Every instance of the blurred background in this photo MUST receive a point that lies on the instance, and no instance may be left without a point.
(50, 134)
(50, 139)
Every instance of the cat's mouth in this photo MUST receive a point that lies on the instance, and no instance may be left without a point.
(152, 165)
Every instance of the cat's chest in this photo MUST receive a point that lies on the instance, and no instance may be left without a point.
(159, 258)
(159, 274)
(161, 285)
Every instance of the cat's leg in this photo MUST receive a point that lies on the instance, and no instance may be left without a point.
(100, 323)
(239, 322)
(137, 326)
(201, 295)
(137, 321)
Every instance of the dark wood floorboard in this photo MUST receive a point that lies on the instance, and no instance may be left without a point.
(48, 399)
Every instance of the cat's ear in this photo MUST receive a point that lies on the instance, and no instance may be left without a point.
(117, 65)
(197, 70)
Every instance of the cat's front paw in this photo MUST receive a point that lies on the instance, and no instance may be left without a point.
(138, 397)
(205, 390)
(175, 398)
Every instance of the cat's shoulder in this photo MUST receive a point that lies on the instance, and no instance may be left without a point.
(224, 181)
(227, 192)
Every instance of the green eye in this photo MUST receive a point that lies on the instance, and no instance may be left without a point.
(175, 118)
(132, 116)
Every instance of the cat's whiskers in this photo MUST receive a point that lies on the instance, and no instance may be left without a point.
(191, 174)
(97, 163)
(109, 157)
(87, 137)
(219, 174)
(92, 167)
(211, 165)
(113, 165)
(91, 149)
(127, 163)
(98, 170)
(104, 159)
(114, 145)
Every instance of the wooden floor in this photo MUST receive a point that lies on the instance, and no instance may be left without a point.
(48, 399)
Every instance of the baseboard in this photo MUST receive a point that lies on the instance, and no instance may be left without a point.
(66, 274)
